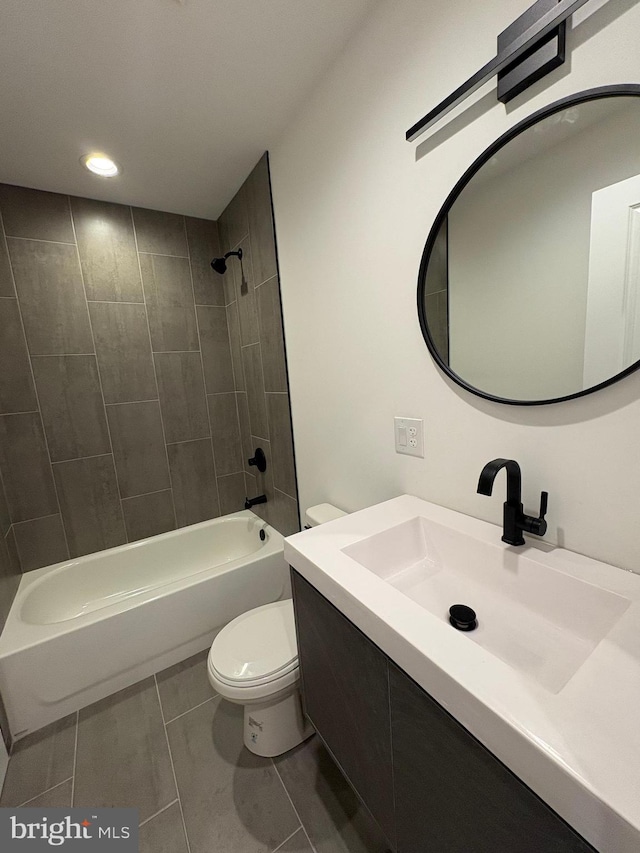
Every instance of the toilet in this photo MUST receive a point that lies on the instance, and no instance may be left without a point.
(254, 662)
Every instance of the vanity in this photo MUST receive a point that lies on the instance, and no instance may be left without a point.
(517, 736)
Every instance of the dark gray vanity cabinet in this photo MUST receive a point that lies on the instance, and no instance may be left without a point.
(432, 787)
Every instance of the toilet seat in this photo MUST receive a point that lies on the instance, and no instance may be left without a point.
(257, 648)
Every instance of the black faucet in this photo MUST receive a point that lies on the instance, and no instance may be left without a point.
(514, 519)
(249, 502)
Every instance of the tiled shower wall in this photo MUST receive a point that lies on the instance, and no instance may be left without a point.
(254, 315)
(115, 376)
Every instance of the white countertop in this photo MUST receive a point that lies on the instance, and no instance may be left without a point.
(578, 748)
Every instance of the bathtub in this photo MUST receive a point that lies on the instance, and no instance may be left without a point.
(80, 630)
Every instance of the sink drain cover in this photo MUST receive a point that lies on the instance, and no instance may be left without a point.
(462, 617)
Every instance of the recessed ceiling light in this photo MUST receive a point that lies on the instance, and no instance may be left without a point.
(101, 165)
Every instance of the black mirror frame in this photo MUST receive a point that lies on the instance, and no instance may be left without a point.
(623, 89)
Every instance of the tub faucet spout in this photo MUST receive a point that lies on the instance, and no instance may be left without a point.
(251, 502)
(514, 518)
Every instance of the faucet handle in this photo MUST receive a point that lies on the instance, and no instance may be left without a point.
(537, 526)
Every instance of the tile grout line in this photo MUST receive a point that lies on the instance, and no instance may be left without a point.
(155, 372)
(288, 838)
(145, 494)
(75, 761)
(148, 819)
(38, 240)
(204, 378)
(80, 458)
(173, 769)
(189, 440)
(195, 707)
(48, 791)
(11, 414)
(37, 518)
(37, 398)
(295, 810)
(133, 402)
(100, 385)
(163, 254)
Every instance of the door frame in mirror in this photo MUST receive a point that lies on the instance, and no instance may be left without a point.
(617, 90)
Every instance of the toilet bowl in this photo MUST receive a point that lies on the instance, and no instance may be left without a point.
(254, 662)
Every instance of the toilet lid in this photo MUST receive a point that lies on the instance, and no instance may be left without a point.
(257, 644)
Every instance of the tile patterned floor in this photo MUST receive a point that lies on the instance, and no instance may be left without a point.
(173, 749)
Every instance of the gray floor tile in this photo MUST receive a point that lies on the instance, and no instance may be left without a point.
(298, 843)
(39, 762)
(232, 800)
(184, 686)
(164, 833)
(57, 798)
(123, 759)
(329, 810)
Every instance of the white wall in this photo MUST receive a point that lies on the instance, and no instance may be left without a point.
(354, 203)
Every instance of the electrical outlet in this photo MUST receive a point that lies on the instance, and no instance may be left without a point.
(409, 436)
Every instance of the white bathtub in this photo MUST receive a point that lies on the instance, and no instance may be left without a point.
(83, 629)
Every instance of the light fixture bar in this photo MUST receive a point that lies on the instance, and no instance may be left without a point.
(534, 33)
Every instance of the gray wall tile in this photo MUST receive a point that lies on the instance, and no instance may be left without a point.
(17, 393)
(148, 515)
(232, 493)
(52, 299)
(245, 431)
(261, 221)
(194, 481)
(234, 219)
(123, 735)
(124, 352)
(184, 686)
(5, 518)
(283, 513)
(225, 433)
(214, 343)
(164, 833)
(35, 214)
(182, 396)
(107, 248)
(284, 475)
(232, 799)
(160, 233)
(25, 467)
(246, 297)
(10, 574)
(233, 323)
(72, 407)
(252, 362)
(272, 337)
(138, 448)
(204, 246)
(39, 762)
(169, 297)
(6, 279)
(41, 542)
(90, 504)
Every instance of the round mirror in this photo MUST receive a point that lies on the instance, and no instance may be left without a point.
(529, 286)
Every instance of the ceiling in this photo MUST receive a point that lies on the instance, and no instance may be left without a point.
(184, 94)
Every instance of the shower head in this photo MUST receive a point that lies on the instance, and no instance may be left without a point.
(220, 264)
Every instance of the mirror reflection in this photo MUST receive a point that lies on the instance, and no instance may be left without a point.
(530, 291)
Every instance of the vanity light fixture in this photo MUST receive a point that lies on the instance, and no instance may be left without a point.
(100, 165)
(532, 46)
(220, 264)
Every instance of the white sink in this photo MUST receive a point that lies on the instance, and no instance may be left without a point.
(542, 622)
(550, 679)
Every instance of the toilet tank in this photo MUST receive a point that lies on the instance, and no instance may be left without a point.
(320, 513)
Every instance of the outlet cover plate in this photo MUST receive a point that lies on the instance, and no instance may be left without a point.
(409, 435)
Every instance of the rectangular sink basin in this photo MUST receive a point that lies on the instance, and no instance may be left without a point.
(540, 621)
